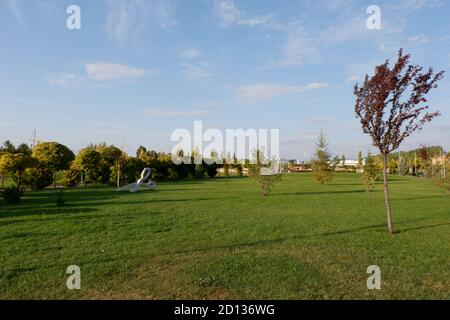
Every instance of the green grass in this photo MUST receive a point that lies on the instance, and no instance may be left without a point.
(219, 239)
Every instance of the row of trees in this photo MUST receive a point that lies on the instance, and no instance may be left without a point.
(39, 167)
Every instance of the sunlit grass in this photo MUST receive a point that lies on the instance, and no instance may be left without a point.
(219, 239)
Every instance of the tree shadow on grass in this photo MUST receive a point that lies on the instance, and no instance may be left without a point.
(23, 211)
(425, 227)
(383, 226)
(303, 193)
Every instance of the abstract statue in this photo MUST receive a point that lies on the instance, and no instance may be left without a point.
(134, 187)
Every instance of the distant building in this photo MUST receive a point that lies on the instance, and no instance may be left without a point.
(348, 163)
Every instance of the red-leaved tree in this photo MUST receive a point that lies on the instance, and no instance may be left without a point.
(391, 105)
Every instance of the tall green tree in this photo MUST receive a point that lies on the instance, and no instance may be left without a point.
(54, 156)
(322, 164)
(112, 157)
(6, 165)
(88, 162)
(8, 146)
(20, 163)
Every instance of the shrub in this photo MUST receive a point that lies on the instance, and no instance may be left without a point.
(173, 174)
(71, 177)
(37, 178)
(211, 170)
(12, 195)
(60, 201)
(199, 172)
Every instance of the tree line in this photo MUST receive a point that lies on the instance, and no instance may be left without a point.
(39, 167)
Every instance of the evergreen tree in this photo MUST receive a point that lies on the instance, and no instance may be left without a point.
(322, 169)
(265, 182)
(370, 173)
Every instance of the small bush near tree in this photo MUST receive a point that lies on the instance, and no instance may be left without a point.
(37, 178)
(71, 177)
(199, 172)
(60, 201)
(441, 179)
(12, 194)
(370, 174)
(211, 170)
(265, 182)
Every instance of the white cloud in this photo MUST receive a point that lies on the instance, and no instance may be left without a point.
(229, 15)
(319, 120)
(300, 47)
(95, 74)
(64, 80)
(352, 79)
(101, 71)
(419, 39)
(130, 18)
(198, 72)
(190, 54)
(316, 85)
(15, 8)
(160, 113)
(262, 92)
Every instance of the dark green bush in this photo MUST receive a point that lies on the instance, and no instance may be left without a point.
(71, 178)
(199, 172)
(37, 178)
(60, 201)
(211, 170)
(12, 194)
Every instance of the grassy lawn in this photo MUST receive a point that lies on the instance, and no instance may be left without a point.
(219, 239)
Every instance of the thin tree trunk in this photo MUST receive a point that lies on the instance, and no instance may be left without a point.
(3, 180)
(54, 180)
(118, 174)
(387, 202)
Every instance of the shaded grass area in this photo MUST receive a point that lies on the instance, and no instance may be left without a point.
(219, 239)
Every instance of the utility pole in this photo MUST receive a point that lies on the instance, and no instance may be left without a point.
(33, 139)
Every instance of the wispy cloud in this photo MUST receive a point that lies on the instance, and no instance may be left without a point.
(129, 19)
(190, 54)
(194, 70)
(319, 120)
(65, 80)
(200, 72)
(419, 39)
(261, 92)
(103, 71)
(300, 47)
(229, 15)
(14, 6)
(96, 73)
(34, 103)
(161, 113)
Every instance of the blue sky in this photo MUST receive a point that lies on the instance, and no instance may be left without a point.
(139, 69)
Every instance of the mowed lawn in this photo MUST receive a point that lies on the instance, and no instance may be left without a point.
(219, 239)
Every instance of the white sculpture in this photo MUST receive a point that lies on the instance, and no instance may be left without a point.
(134, 187)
